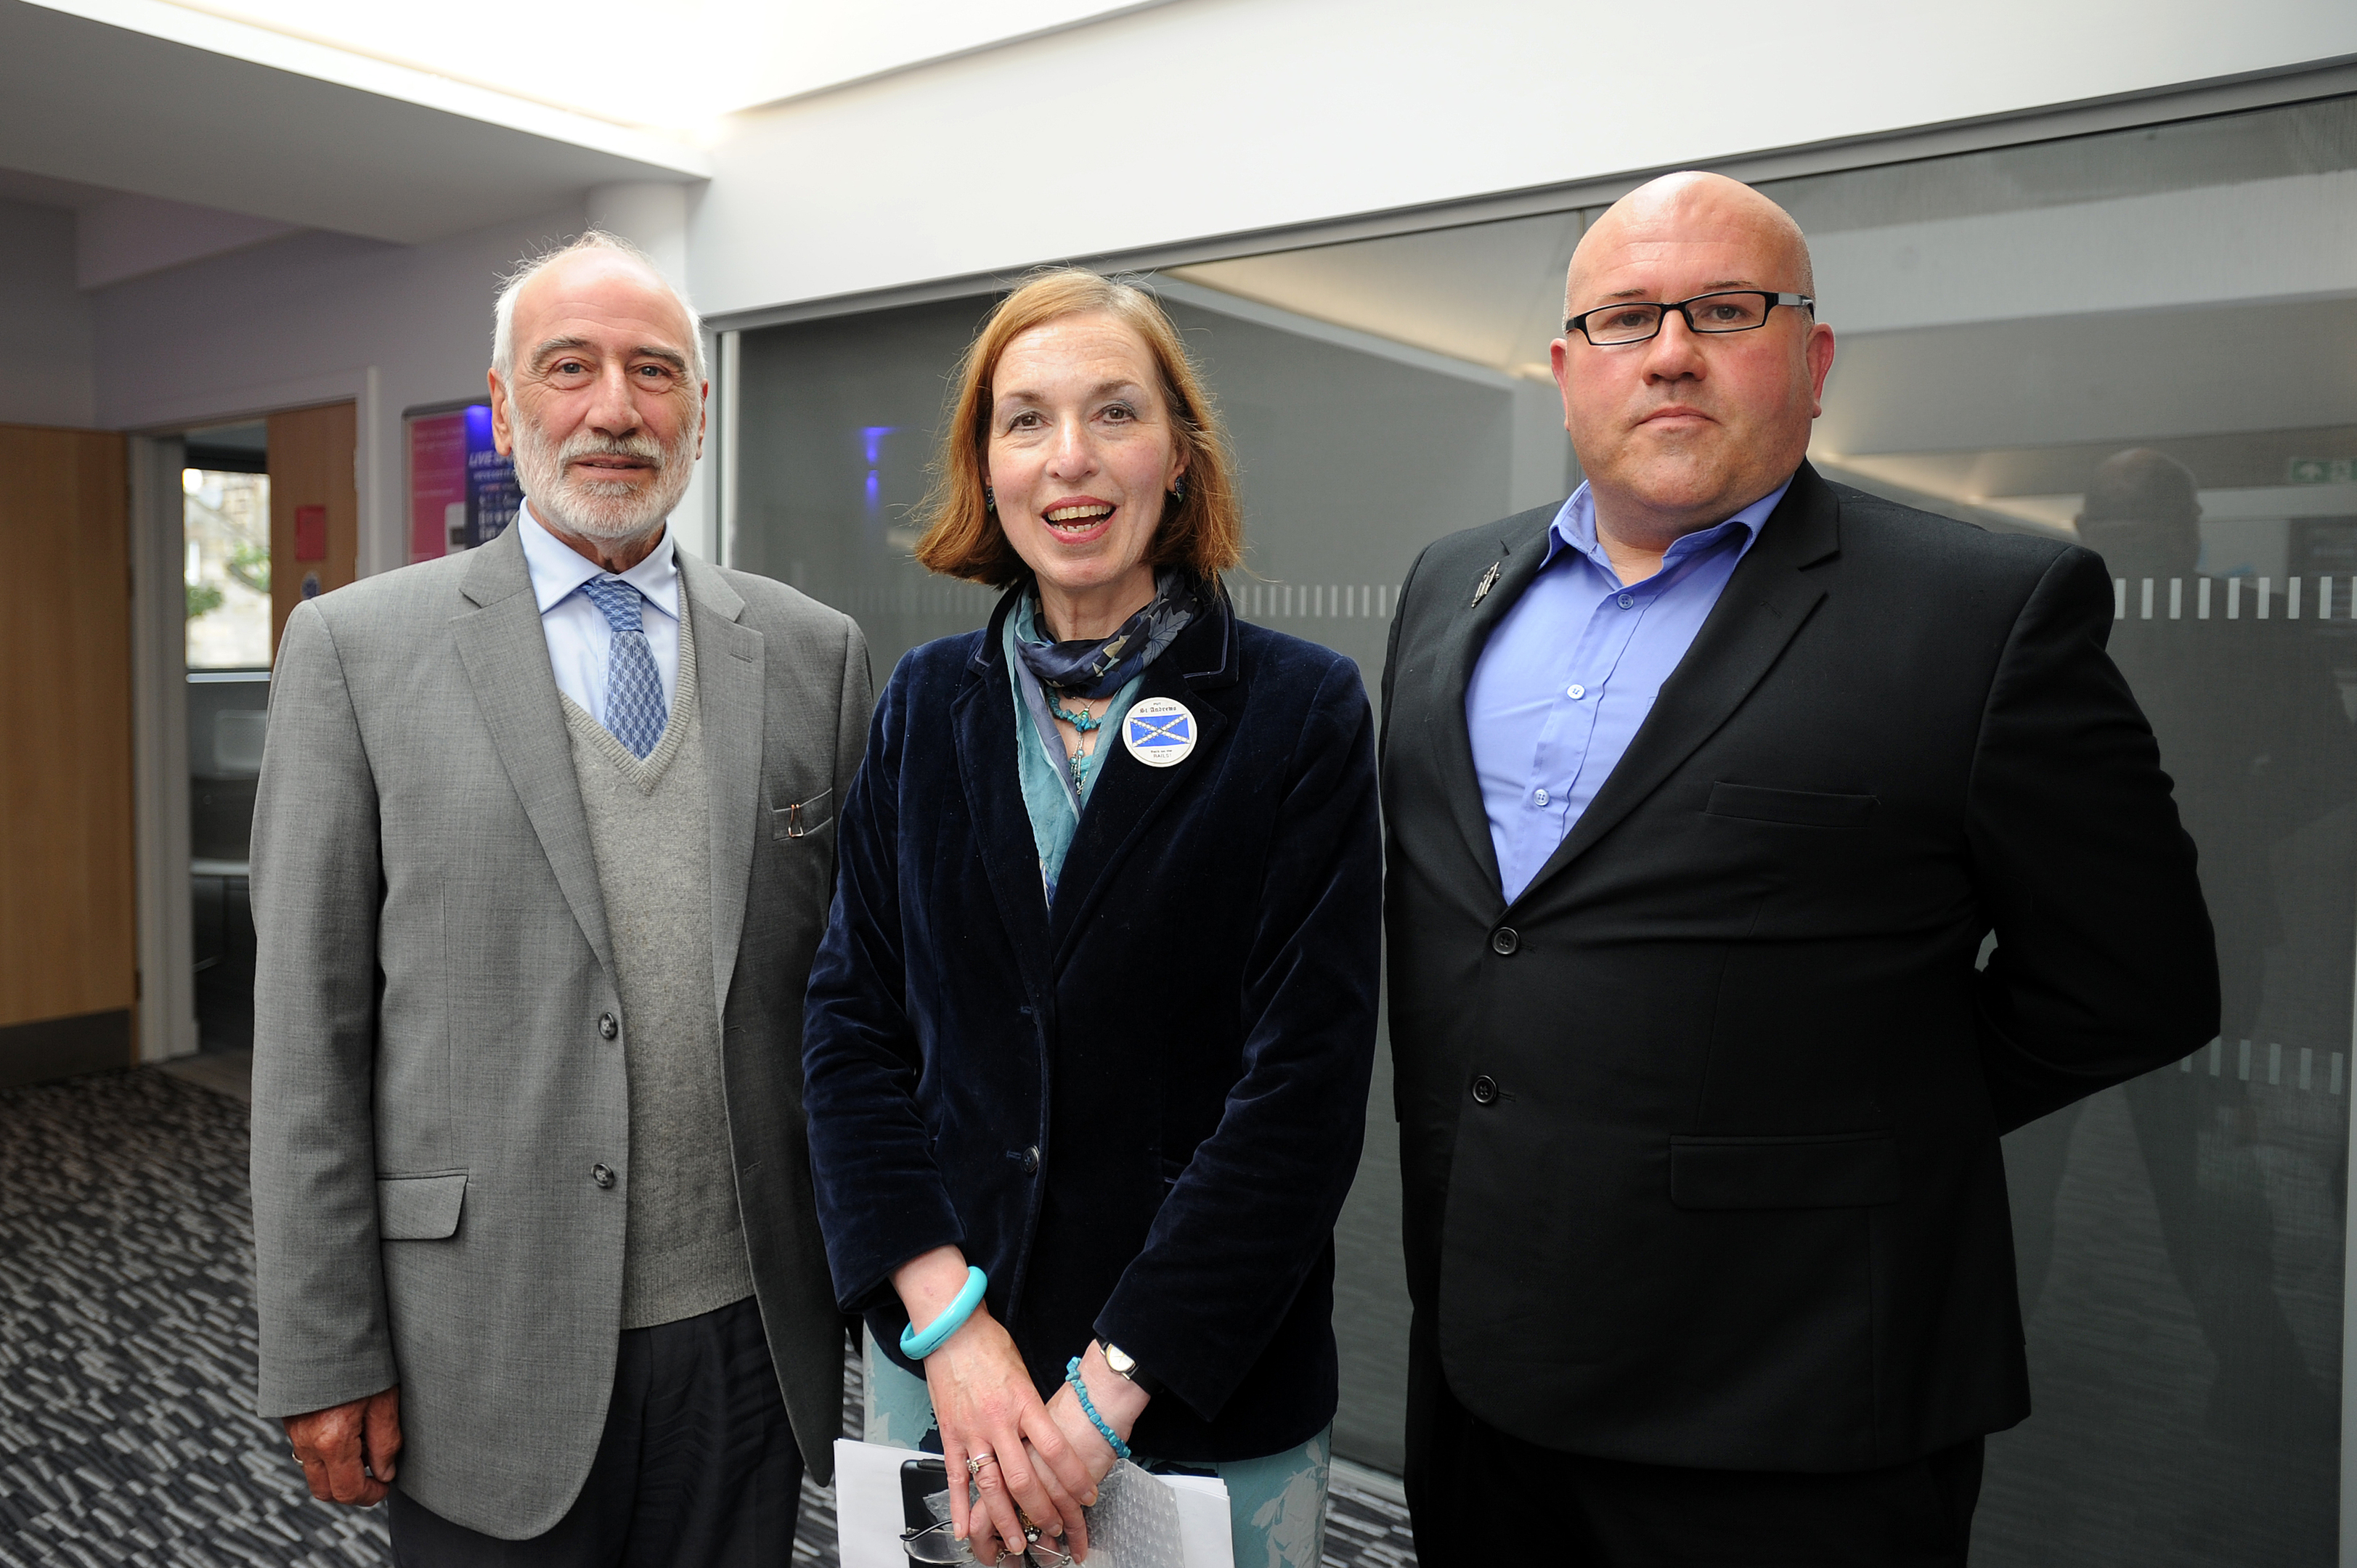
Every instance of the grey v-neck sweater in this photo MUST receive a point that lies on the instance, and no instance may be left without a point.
(650, 829)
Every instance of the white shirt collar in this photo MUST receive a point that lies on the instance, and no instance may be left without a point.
(558, 570)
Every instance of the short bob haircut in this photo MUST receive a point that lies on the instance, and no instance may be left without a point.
(1203, 533)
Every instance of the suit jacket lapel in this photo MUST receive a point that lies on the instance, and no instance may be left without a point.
(505, 655)
(1521, 550)
(1129, 795)
(1760, 609)
(731, 687)
(983, 715)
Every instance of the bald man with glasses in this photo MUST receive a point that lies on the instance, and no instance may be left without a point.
(1703, 791)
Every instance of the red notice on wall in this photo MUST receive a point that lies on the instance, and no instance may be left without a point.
(310, 533)
(438, 483)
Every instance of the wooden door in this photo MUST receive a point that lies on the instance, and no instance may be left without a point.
(67, 951)
(315, 530)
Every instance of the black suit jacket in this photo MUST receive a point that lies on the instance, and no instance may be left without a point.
(1699, 1135)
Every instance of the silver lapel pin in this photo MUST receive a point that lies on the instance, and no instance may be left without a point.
(1488, 581)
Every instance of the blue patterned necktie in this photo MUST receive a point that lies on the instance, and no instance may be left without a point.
(635, 710)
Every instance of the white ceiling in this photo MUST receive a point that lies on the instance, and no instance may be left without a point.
(181, 130)
(155, 100)
(690, 61)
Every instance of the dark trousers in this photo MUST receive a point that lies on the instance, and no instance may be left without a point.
(697, 1468)
(1477, 1496)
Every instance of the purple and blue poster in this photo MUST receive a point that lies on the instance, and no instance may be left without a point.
(462, 493)
(493, 494)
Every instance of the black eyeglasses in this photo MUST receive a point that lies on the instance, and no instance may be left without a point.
(1634, 320)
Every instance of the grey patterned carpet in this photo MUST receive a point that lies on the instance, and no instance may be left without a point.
(127, 1432)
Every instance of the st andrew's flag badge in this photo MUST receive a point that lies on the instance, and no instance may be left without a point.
(1158, 732)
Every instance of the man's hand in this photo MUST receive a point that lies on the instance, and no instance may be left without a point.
(347, 1451)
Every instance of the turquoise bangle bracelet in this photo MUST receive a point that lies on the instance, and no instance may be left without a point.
(916, 1346)
(1089, 1409)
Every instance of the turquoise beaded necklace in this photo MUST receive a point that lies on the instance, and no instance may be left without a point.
(1086, 723)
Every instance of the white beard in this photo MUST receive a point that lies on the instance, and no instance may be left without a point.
(612, 511)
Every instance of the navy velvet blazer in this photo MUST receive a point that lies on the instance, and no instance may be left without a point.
(1139, 1112)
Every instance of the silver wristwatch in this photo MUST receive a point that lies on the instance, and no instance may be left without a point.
(1125, 1365)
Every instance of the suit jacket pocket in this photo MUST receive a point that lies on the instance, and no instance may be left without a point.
(803, 818)
(1840, 1170)
(1798, 808)
(420, 1207)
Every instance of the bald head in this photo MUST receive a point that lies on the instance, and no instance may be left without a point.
(608, 263)
(2141, 485)
(1683, 430)
(1679, 211)
(2143, 515)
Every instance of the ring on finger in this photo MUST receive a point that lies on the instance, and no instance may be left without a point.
(974, 1466)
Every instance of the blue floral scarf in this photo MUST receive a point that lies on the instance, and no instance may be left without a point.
(1098, 667)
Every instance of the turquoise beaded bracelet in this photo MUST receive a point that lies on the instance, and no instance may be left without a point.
(916, 1346)
(1089, 1409)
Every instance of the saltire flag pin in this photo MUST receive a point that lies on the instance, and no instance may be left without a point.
(1488, 581)
(1158, 732)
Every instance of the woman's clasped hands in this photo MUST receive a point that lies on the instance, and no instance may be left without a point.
(1033, 1465)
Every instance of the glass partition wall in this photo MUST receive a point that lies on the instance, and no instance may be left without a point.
(2145, 340)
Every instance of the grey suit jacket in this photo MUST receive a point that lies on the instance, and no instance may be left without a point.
(438, 1065)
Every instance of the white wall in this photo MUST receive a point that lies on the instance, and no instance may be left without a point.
(1209, 117)
(45, 321)
(307, 319)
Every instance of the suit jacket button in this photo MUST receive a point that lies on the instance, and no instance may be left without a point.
(1504, 940)
(1031, 1160)
(602, 1175)
(1485, 1090)
(607, 1027)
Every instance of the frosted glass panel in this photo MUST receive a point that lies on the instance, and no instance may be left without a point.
(2010, 323)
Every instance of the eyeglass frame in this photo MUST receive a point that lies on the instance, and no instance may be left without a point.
(1578, 323)
(1037, 1553)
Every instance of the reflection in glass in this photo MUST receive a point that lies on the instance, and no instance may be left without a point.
(2234, 1171)
(2143, 340)
(2037, 338)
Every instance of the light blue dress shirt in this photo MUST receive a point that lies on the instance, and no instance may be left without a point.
(1572, 669)
(580, 638)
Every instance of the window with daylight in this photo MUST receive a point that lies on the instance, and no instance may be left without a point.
(226, 539)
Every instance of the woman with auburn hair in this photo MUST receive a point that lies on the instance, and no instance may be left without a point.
(1088, 1040)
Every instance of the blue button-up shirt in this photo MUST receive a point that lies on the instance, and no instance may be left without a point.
(1572, 670)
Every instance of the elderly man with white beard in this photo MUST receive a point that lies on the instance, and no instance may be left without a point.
(543, 848)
